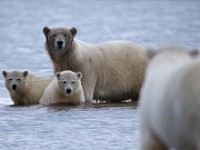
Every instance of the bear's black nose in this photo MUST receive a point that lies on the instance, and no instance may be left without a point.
(68, 91)
(60, 44)
(14, 86)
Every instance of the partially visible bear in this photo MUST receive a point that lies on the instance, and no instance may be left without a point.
(170, 102)
(65, 88)
(112, 71)
(24, 87)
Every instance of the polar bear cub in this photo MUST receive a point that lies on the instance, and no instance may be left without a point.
(25, 88)
(170, 102)
(65, 88)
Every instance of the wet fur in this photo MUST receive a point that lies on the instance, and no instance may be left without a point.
(31, 91)
(53, 95)
(112, 71)
(170, 102)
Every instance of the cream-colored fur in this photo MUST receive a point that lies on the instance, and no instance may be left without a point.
(111, 71)
(29, 87)
(170, 102)
(56, 93)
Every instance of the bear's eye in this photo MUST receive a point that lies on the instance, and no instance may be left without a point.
(54, 35)
(73, 82)
(10, 79)
(19, 80)
(65, 35)
(64, 82)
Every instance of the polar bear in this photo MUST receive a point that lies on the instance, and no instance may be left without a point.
(24, 87)
(65, 88)
(112, 71)
(170, 102)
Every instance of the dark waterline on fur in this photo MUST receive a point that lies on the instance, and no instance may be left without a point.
(96, 126)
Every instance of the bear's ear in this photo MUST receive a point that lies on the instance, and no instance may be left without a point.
(46, 30)
(25, 73)
(151, 53)
(194, 52)
(5, 73)
(73, 31)
(79, 75)
(58, 75)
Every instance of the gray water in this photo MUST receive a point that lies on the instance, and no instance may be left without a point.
(100, 127)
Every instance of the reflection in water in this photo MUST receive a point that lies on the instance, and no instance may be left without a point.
(120, 105)
(101, 126)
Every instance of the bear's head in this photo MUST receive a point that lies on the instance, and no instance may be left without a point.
(151, 53)
(60, 38)
(69, 82)
(15, 80)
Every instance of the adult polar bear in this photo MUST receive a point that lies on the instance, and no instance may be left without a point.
(170, 102)
(111, 71)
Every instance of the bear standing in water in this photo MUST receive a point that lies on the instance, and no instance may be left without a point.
(112, 71)
(65, 88)
(25, 88)
(170, 102)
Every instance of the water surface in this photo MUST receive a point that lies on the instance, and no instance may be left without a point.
(100, 127)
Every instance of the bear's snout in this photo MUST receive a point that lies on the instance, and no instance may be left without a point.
(14, 86)
(68, 91)
(60, 44)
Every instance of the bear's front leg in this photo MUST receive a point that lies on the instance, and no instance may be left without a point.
(89, 92)
(88, 88)
(150, 141)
